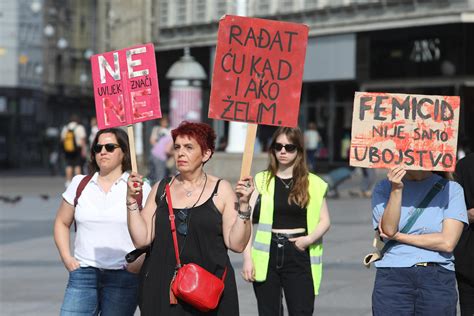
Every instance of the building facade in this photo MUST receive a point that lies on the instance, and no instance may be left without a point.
(21, 65)
(45, 47)
(405, 46)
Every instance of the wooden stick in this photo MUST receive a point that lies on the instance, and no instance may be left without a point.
(133, 154)
(248, 151)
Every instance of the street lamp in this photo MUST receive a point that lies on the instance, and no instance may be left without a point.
(88, 53)
(49, 30)
(35, 6)
(62, 43)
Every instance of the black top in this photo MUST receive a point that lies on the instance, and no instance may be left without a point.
(203, 245)
(464, 252)
(286, 216)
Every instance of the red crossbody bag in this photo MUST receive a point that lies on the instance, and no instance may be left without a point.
(192, 283)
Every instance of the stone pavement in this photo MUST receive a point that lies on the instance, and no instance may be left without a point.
(32, 278)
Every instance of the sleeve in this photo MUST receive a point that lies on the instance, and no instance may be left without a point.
(154, 134)
(81, 132)
(456, 207)
(380, 197)
(70, 194)
(63, 132)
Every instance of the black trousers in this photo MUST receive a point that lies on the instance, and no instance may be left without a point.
(466, 295)
(288, 269)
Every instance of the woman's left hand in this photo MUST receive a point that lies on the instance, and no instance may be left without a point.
(244, 189)
(301, 243)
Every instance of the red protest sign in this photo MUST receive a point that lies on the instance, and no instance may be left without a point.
(126, 86)
(419, 132)
(258, 71)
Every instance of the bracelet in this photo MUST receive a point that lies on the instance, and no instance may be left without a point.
(132, 209)
(131, 203)
(245, 215)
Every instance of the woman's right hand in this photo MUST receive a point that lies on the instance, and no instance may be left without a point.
(71, 263)
(248, 270)
(134, 186)
(395, 176)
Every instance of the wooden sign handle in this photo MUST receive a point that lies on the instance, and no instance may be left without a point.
(248, 150)
(133, 154)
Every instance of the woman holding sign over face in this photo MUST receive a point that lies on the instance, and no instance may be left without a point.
(208, 217)
(292, 219)
(420, 215)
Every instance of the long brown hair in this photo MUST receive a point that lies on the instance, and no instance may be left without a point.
(299, 192)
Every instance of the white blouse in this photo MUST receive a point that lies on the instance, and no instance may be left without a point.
(102, 237)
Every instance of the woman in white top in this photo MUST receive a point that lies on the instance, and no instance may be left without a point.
(99, 282)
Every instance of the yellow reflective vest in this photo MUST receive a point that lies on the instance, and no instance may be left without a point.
(261, 245)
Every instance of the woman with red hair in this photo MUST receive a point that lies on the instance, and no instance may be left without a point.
(209, 217)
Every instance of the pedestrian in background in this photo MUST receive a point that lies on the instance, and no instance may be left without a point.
(464, 252)
(160, 151)
(93, 131)
(73, 140)
(292, 219)
(416, 275)
(311, 142)
(99, 282)
(210, 219)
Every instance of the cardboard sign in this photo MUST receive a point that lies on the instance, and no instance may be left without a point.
(126, 86)
(417, 131)
(258, 71)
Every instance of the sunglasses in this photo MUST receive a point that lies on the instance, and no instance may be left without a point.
(97, 148)
(288, 147)
(182, 215)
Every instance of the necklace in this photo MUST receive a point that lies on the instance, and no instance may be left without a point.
(190, 192)
(287, 185)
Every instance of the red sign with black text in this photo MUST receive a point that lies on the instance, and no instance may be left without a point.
(126, 86)
(258, 71)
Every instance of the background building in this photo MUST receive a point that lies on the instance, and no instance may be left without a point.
(407, 46)
(45, 46)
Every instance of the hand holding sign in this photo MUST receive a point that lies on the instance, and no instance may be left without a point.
(416, 131)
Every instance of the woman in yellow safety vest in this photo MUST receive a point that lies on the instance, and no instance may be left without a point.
(292, 217)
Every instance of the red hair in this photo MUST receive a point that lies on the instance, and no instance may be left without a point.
(201, 132)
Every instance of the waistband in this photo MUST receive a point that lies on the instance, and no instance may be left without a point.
(287, 236)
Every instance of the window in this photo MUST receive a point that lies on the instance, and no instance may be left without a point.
(199, 11)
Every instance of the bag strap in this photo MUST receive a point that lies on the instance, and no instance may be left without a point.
(437, 187)
(173, 225)
(81, 187)
(173, 231)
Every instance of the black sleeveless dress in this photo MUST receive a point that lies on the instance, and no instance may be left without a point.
(203, 245)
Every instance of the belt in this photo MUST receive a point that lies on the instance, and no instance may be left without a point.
(287, 236)
(425, 264)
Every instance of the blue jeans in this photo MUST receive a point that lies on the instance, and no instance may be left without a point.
(429, 291)
(92, 291)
